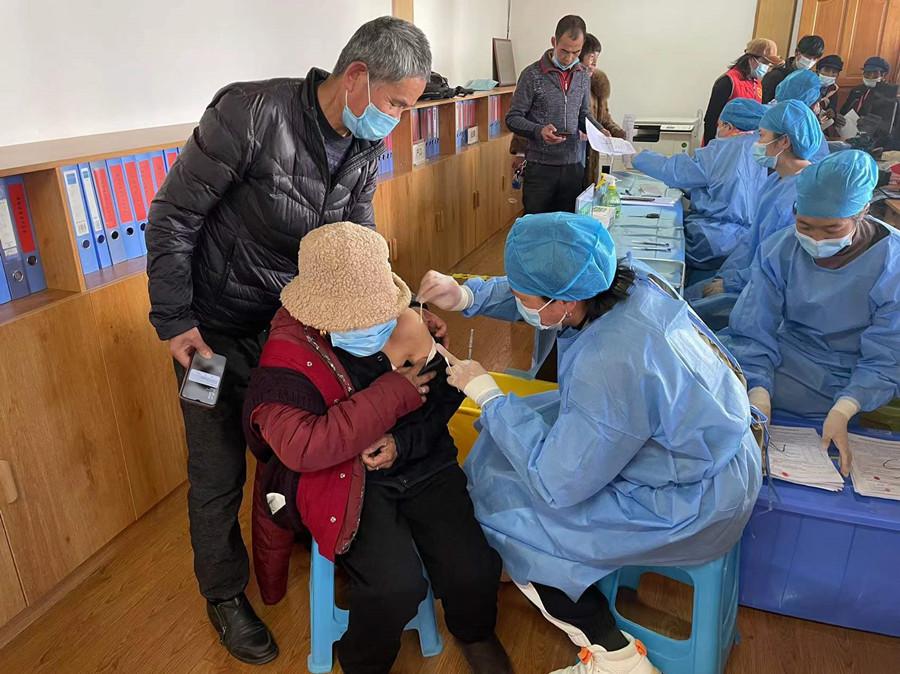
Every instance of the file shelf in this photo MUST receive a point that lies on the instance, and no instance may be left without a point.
(88, 394)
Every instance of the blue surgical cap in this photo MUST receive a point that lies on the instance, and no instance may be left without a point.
(799, 123)
(561, 256)
(839, 186)
(742, 113)
(801, 85)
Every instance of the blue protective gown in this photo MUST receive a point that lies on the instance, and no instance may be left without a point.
(774, 212)
(644, 455)
(723, 182)
(811, 335)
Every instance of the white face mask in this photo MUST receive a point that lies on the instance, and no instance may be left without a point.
(804, 63)
(827, 80)
(533, 316)
(825, 247)
(870, 83)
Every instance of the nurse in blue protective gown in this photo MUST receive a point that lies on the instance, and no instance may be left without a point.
(789, 136)
(805, 86)
(644, 455)
(817, 329)
(722, 181)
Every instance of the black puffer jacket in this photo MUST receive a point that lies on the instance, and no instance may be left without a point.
(224, 230)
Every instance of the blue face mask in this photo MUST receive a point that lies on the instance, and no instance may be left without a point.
(760, 70)
(560, 65)
(533, 316)
(365, 342)
(372, 124)
(825, 247)
(760, 156)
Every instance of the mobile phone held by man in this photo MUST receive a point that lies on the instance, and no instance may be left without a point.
(203, 380)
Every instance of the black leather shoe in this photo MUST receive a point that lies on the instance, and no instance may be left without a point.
(487, 657)
(241, 631)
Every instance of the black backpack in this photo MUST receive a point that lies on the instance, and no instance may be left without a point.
(438, 89)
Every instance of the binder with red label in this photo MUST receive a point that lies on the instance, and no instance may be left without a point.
(128, 225)
(158, 164)
(133, 179)
(115, 239)
(18, 201)
(171, 155)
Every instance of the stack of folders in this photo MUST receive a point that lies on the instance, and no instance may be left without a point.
(796, 455)
(426, 129)
(465, 119)
(108, 202)
(21, 270)
(386, 158)
(494, 116)
(875, 469)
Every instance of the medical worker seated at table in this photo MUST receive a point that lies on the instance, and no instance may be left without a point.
(817, 330)
(789, 136)
(643, 456)
(806, 87)
(722, 180)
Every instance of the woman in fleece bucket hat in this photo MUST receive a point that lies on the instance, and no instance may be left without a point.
(353, 446)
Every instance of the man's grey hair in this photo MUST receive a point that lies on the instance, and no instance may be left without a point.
(392, 49)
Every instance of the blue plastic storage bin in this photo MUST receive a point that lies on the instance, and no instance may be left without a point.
(832, 557)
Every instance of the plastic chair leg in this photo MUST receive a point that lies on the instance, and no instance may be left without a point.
(326, 622)
(425, 623)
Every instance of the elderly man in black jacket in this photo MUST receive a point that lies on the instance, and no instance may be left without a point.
(269, 162)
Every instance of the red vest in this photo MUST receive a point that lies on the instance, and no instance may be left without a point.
(741, 88)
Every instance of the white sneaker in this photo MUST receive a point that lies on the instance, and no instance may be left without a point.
(597, 660)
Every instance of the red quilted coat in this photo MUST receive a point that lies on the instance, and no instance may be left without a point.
(324, 448)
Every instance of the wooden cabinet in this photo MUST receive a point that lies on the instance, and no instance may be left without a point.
(12, 598)
(855, 29)
(61, 440)
(144, 391)
(404, 233)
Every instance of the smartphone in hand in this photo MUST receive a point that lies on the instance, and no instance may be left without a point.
(203, 380)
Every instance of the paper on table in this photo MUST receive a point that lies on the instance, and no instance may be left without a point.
(875, 469)
(850, 130)
(796, 455)
(607, 144)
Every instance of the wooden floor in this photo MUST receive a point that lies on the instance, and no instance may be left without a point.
(140, 611)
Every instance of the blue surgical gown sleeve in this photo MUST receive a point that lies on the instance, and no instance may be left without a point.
(752, 331)
(874, 379)
(571, 460)
(493, 298)
(735, 271)
(681, 171)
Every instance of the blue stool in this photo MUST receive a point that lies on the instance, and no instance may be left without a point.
(328, 622)
(714, 624)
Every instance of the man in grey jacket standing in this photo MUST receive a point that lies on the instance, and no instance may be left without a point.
(269, 162)
(549, 109)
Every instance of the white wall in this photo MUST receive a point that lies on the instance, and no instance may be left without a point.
(460, 32)
(76, 68)
(662, 57)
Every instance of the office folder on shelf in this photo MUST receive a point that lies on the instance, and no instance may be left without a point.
(83, 237)
(133, 180)
(18, 203)
(171, 154)
(13, 260)
(115, 239)
(128, 225)
(94, 216)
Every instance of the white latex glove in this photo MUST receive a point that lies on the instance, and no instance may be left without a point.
(444, 292)
(835, 430)
(714, 287)
(761, 400)
(471, 378)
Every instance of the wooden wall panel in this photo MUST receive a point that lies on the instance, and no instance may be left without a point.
(144, 391)
(59, 435)
(775, 21)
(12, 599)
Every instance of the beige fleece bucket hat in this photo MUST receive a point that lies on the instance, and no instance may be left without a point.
(345, 280)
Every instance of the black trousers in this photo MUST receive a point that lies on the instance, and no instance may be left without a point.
(590, 614)
(435, 518)
(548, 189)
(217, 470)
